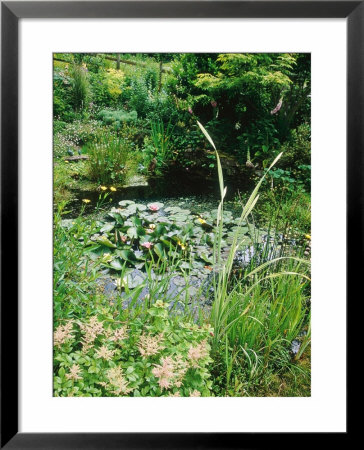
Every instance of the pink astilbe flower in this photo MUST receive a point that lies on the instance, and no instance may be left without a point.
(170, 372)
(91, 330)
(63, 333)
(74, 373)
(195, 393)
(119, 335)
(105, 353)
(190, 110)
(150, 345)
(164, 372)
(197, 353)
(147, 244)
(277, 108)
(118, 382)
(176, 394)
(154, 208)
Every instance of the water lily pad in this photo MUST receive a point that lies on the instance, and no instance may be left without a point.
(126, 203)
(132, 232)
(108, 227)
(116, 264)
(105, 241)
(128, 255)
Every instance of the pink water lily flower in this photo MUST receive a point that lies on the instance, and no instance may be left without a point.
(147, 244)
(154, 207)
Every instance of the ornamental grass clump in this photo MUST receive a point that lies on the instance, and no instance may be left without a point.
(112, 159)
(267, 307)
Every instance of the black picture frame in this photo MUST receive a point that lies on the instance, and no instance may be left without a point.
(11, 12)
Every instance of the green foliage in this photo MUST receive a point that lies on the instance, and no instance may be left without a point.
(108, 86)
(298, 180)
(297, 149)
(62, 101)
(248, 101)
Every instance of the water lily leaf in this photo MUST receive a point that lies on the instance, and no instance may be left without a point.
(105, 241)
(140, 231)
(108, 227)
(128, 255)
(159, 249)
(205, 256)
(140, 207)
(136, 221)
(198, 264)
(132, 232)
(160, 229)
(126, 202)
(173, 209)
(116, 264)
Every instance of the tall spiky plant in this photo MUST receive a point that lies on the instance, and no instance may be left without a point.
(224, 312)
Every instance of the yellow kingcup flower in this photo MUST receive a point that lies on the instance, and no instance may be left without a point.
(201, 220)
(307, 236)
(104, 188)
(113, 189)
(182, 245)
(86, 200)
(66, 161)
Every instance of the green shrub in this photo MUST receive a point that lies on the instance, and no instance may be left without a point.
(297, 149)
(117, 118)
(62, 99)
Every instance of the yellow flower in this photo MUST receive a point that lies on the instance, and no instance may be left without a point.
(113, 189)
(182, 245)
(104, 188)
(66, 161)
(86, 200)
(201, 220)
(307, 236)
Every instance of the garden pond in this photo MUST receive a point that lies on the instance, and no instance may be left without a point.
(140, 239)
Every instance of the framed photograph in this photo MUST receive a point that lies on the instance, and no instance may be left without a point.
(180, 192)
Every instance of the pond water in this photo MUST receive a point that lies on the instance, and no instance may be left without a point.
(199, 194)
(193, 194)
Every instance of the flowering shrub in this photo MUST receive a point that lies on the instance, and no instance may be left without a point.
(76, 134)
(155, 355)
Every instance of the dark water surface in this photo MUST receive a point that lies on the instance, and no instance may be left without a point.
(196, 194)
